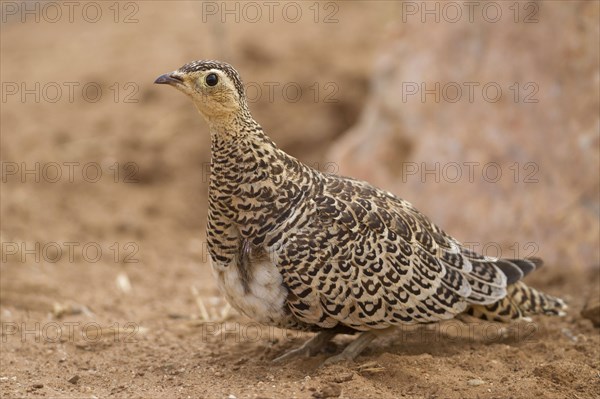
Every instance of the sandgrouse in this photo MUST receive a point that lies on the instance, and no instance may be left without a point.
(295, 248)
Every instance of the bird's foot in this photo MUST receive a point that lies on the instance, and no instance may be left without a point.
(352, 350)
(310, 347)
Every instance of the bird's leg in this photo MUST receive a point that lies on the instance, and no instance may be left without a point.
(352, 350)
(310, 347)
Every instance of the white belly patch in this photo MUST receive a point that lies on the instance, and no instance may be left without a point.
(262, 298)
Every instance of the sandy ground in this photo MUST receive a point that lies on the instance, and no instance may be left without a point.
(152, 344)
(105, 286)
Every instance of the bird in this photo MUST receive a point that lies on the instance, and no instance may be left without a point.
(299, 249)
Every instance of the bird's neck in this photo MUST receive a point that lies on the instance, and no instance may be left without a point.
(237, 140)
(252, 178)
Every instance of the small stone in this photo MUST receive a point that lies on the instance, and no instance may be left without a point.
(569, 334)
(475, 382)
(37, 386)
(74, 379)
(343, 377)
(591, 310)
(328, 391)
(241, 361)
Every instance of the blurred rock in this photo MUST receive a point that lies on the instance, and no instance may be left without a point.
(591, 310)
(74, 379)
(519, 165)
(328, 391)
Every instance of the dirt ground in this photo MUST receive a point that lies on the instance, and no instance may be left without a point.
(105, 287)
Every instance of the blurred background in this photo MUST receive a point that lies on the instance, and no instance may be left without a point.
(484, 116)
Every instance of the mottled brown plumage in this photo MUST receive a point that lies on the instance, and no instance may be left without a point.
(296, 248)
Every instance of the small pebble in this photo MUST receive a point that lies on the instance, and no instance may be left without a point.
(37, 386)
(328, 391)
(569, 334)
(74, 379)
(475, 382)
(591, 310)
(343, 377)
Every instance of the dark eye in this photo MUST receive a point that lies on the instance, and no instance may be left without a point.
(212, 79)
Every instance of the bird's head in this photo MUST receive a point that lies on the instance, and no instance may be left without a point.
(215, 88)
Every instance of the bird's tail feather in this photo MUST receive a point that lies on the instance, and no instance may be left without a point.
(519, 302)
(516, 269)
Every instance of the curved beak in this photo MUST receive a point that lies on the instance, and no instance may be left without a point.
(169, 78)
